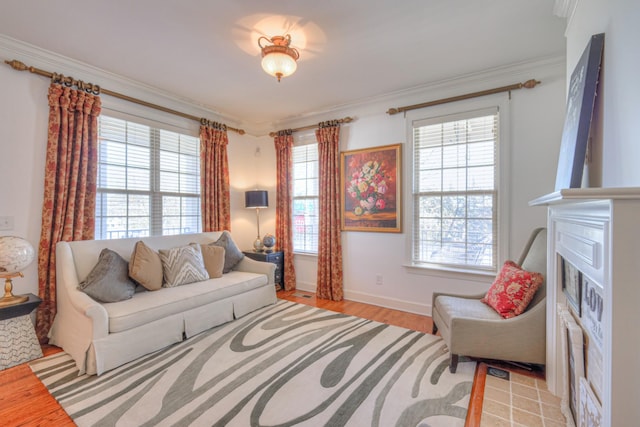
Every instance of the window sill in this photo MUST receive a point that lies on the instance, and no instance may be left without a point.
(305, 254)
(450, 273)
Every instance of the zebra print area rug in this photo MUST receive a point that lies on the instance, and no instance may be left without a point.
(285, 365)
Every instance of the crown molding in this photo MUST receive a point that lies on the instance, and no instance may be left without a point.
(456, 85)
(35, 56)
(565, 9)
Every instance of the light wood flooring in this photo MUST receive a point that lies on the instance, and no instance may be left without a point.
(24, 401)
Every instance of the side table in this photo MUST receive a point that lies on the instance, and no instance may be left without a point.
(275, 257)
(18, 341)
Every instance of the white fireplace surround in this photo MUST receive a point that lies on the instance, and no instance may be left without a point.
(598, 231)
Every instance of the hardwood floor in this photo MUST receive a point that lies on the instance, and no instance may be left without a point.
(403, 319)
(24, 401)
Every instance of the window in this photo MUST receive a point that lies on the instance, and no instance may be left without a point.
(148, 181)
(455, 191)
(305, 198)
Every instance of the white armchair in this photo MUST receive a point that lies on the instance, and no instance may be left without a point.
(472, 328)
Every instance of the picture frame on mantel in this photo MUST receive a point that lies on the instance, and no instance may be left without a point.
(571, 285)
(580, 105)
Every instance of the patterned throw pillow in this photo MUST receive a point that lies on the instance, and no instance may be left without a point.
(513, 289)
(232, 255)
(182, 265)
(109, 280)
(145, 267)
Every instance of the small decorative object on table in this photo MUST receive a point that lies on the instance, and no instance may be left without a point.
(15, 255)
(269, 241)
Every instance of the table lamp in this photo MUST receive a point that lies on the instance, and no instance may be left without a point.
(257, 199)
(15, 255)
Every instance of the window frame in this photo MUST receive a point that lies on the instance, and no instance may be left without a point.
(304, 139)
(156, 124)
(502, 175)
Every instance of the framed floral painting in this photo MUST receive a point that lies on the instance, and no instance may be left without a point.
(370, 181)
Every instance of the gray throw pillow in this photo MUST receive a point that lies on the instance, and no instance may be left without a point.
(109, 280)
(232, 255)
(182, 265)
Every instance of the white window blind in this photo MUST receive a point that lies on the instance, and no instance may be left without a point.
(455, 190)
(305, 198)
(148, 181)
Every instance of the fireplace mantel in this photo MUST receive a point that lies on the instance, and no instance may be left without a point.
(571, 195)
(597, 230)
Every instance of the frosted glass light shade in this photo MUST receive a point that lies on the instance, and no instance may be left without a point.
(279, 64)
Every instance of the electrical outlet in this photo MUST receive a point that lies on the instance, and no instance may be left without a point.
(6, 223)
(379, 279)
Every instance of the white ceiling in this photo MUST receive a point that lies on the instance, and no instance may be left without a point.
(206, 50)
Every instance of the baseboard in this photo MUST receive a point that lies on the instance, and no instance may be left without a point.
(386, 302)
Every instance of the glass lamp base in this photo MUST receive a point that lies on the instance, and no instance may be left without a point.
(257, 245)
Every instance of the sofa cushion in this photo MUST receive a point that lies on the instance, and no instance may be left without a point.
(109, 280)
(232, 255)
(182, 265)
(147, 307)
(213, 257)
(513, 289)
(145, 267)
(450, 307)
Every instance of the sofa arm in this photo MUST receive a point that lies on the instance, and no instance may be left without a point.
(249, 265)
(79, 319)
(73, 303)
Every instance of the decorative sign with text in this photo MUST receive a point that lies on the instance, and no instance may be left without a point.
(591, 310)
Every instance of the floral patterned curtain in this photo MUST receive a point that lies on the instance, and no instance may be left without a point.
(284, 168)
(329, 280)
(214, 177)
(71, 169)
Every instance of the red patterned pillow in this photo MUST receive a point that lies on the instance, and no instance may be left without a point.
(513, 289)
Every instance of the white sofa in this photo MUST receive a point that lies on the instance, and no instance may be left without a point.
(102, 336)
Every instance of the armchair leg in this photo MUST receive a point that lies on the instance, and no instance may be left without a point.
(434, 328)
(453, 363)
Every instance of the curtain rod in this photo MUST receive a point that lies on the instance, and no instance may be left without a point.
(529, 84)
(343, 120)
(20, 66)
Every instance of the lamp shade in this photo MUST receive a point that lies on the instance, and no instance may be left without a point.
(256, 199)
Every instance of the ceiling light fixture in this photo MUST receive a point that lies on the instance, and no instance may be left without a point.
(278, 58)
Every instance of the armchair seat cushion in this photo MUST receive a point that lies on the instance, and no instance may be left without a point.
(451, 307)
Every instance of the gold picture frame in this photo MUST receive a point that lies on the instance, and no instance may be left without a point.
(371, 190)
